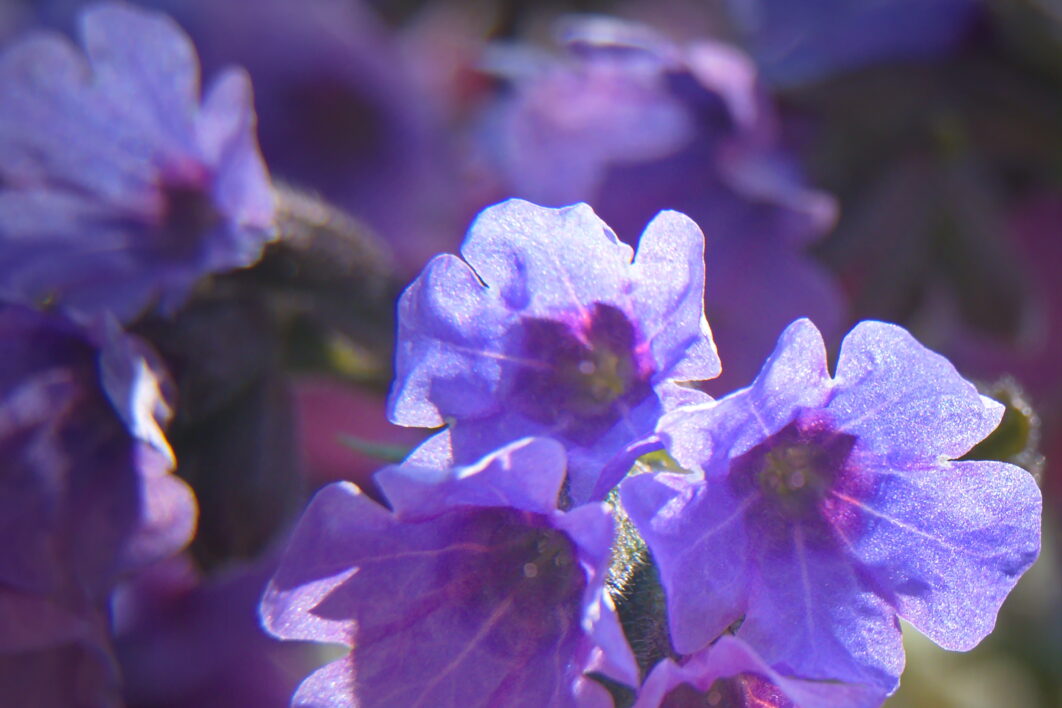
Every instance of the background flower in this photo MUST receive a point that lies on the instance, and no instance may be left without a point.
(86, 499)
(118, 188)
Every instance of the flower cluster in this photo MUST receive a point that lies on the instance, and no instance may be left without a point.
(811, 510)
(118, 191)
(591, 498)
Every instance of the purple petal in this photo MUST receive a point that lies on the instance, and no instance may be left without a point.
(418, 492)
(697, 535)
(905, 402)
(810, 615)
(226, 132)
(449, 346)
(44, 82)
(339, 525)
(759, 685)
(793, 378)
(143, 63)
(514, 249)
(331, 686)
(672, 299)
(947, 543)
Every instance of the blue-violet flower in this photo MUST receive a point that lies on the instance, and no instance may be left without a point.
(474, 591)
(824, 507)
(548, 328)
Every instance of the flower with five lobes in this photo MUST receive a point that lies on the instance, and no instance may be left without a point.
(474, 591)
(547, 327)
(822, 507)
(119, 187)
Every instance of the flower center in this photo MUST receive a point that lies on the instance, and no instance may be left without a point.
(788, 469)
(182, 216)
(517, 565)
(589, 371)
(795, 468)
(189, 211)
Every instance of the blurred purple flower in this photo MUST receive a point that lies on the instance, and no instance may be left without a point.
(119, 188)
(548, 328)
(797, 41)
(632, 124)
(828, 506)
(474, 591)
(85, 494)
(340, 112)
(729, 674)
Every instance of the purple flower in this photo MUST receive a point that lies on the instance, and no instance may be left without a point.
(729, 674)
(474, 591)
(548, 328)
(119, 188)
(825, 507)
(85, 494)
(339, 112)
(632, 124)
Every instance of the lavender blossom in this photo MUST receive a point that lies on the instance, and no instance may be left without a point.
(548, 328)
(632, 123)
(85, 495)
(824, 507)
(119, 188)
(729, 674)
(474, 591)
